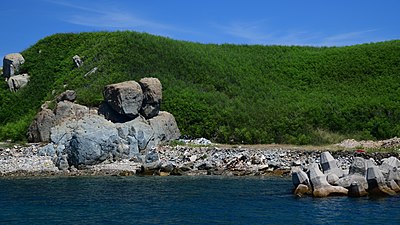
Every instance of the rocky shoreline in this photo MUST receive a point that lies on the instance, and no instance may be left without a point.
(33, 160)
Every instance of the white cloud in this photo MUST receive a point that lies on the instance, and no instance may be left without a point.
(107, 15)
(349, 38)
(249, 32)
(258, 33)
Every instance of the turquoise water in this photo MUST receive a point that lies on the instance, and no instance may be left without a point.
(180, 200)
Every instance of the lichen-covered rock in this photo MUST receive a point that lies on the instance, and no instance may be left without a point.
(126, 98)
(11, 64)
(152, 96)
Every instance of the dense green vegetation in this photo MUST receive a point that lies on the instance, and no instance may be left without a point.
(227, 93)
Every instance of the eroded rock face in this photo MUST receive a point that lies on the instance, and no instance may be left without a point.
(165, 127)
(11, 64)
(126, 98)
(39, 130)
(152, 96)
(94, 140)
(82, 137)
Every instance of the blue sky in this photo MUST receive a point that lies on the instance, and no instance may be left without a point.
(266, 22)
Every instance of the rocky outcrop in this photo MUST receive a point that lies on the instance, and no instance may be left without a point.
(79, 136)
(11, 64)
(152, 96)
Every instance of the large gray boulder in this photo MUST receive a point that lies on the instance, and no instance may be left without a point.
(39, 130)
(152, 96)
(11, 64)
(165, 127)
(93, 140)
(321, 187)
(376, 181)
(126, 98)
(329, 165)
(17, 82)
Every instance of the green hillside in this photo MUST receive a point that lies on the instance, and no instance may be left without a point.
(227, 93)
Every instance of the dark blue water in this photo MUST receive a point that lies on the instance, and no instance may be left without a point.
(180, 200)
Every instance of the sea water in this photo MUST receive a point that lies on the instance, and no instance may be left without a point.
(180, 200)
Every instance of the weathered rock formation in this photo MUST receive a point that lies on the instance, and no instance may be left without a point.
(17, 81)
(11, 64)
(11, 67)
(152, 96)
(80, 137)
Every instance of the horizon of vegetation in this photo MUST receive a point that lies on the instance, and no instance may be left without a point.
(252, 94)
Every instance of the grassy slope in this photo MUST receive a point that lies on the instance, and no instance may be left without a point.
(229, 93)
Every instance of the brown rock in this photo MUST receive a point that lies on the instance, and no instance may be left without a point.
(125, 98)
(152, 96)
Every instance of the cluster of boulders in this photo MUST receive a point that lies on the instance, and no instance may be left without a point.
(364, 177)
(11, 71)
(127, 125)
